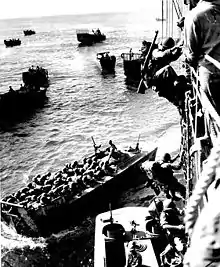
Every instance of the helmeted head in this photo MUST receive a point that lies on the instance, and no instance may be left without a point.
(166, 157)
(168, 43)
(156, 167)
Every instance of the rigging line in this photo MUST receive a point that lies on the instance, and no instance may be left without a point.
(171, 15)
(167, 22)
(172, 19)
(177, 11)
(210, 263)
(162, 18)
(213, 61)
(178, 8)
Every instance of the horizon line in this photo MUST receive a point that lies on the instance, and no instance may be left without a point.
(67, 14)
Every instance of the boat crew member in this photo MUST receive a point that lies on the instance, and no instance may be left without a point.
(113, 146)
(134, 257)
(171, 222)
(171, 257)
(202, 26)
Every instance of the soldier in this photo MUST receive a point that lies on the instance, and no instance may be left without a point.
(202, 37)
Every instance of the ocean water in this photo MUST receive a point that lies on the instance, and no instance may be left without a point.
(81, 103)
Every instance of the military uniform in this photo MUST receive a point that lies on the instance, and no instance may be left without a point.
(202, 36)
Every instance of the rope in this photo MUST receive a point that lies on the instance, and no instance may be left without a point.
(213, 61)
(172, 19)
(162, 17)
(179, 9)
(178, 12)
(207, 177)
(167, 19)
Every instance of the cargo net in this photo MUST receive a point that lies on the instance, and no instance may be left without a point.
(201, 157)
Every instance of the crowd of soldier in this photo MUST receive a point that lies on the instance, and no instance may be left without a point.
(65, 184)
(36, 72)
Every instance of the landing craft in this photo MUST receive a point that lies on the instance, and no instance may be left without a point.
(85, 37)
(107, 62)
(52, 202)
(12, 42)
(28, 32)
(120, 230)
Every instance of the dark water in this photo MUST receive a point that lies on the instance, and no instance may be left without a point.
(81, 103)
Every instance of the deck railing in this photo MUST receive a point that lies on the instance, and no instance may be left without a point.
(82, 31)
(131, 56)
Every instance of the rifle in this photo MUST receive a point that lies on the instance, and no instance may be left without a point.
(141, 88)
(94, 144)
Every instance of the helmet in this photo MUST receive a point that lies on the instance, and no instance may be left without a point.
(168, 43)
(166, 157)
(156, 166)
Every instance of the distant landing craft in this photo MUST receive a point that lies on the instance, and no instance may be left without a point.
(84, 36)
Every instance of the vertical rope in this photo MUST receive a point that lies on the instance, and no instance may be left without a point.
(177, 8)
(172, 19)
(207, 177)
(162, 17)
(167, 19)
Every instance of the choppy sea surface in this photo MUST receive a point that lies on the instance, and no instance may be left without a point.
(81, 103)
